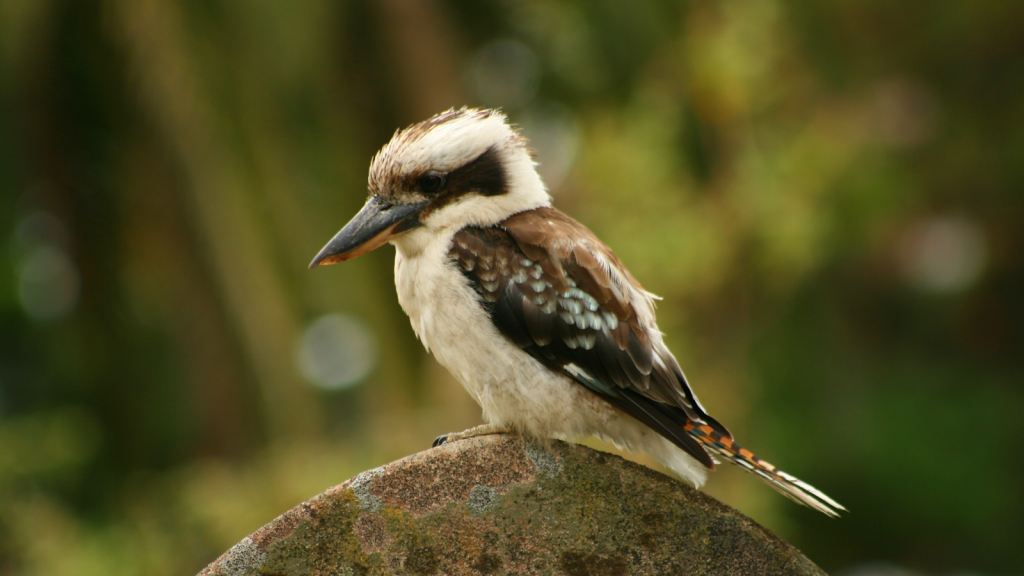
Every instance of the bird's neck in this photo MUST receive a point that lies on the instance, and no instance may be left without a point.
(424, 242)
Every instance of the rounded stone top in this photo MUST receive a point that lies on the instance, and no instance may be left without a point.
(499, 505)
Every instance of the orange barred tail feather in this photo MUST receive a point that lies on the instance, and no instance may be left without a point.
(790, 486)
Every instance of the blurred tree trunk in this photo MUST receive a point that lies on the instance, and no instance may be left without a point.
(225, 218)
(424, 52)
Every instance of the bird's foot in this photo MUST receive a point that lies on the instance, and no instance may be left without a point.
(482, 430)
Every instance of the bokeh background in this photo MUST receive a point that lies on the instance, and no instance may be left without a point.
(828, 195)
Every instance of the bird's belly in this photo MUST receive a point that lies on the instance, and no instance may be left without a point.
(510, 386)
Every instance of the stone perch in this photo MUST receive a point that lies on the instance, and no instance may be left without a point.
(498, 505)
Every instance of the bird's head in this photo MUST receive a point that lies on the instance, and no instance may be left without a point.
(464, 167)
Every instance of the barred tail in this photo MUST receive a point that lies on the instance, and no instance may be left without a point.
(790, 486)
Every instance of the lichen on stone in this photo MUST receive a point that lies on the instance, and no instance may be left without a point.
(481, 498)
(242, 558)
(498, 505)
(547, 465)
(361, 488)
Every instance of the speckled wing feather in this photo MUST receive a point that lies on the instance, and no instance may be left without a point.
(555, 290)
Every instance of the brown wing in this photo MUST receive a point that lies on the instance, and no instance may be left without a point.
(560, 294)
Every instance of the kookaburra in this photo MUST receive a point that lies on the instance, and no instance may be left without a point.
(536, 317)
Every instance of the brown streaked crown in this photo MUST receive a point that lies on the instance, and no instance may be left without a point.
(455, 153)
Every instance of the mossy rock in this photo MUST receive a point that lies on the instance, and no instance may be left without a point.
(498, 505)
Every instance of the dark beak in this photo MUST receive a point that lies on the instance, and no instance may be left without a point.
(374, 225)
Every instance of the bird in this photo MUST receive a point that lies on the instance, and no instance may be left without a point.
(537, 318)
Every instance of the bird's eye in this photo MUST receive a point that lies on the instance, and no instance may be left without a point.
(431, 183)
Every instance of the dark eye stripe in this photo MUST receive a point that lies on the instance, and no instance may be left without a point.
(485, 176)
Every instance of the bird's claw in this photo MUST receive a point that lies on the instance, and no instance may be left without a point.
(482, 430)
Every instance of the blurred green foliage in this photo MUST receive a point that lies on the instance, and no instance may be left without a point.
(827, 195)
